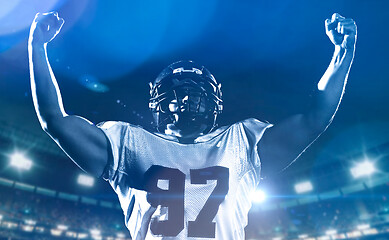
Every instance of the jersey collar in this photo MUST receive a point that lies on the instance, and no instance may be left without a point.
(200, 139)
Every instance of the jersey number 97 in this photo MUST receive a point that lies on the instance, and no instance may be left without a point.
(173, 198)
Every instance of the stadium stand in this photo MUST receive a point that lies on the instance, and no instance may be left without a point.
(42, 215)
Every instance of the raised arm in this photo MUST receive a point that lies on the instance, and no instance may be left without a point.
(284, 143)
(82, 141)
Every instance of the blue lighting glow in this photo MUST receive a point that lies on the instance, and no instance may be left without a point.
(258, 196)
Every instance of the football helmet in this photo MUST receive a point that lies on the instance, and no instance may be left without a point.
(187, 97)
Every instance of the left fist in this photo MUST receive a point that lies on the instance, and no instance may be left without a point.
(341, 31)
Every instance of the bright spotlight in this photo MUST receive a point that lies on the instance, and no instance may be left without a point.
(55, 232)
(27, 228)
(62, 227)
(365, 168)
(303, 187)
(258, 196)
(85, 180)
(331, 232)
(363, 226)
(82, 235)
(95, 232)
(71, 234)
(120, 235)
(19, 161)
(30, 222)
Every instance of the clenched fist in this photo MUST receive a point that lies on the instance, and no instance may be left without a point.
(45, 27)
(341, 31)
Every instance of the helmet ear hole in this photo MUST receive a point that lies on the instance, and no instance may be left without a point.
(187, 92)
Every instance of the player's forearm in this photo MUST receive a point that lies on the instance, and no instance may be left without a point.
(331, 86)
(45, 92)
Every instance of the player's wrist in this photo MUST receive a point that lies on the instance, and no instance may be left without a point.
(345, 50)
(36, 48)
(36, 39)
(37, 45)
(341, 48)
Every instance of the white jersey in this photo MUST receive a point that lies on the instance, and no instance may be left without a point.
(170, 190)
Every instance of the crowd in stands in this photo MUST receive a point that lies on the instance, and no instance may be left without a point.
(364, 214)
(343, 215)
(45, 213)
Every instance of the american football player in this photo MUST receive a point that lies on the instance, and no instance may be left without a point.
(190, 179)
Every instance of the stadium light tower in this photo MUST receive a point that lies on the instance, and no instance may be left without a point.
(365, 168)
(18, 160)
(303, 187)
(85, 180)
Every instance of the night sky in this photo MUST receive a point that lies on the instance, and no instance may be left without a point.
(268, 55)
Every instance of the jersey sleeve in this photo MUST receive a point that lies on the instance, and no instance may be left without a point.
(254, 130)
(116, 133)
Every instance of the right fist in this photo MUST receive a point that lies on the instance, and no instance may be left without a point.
(341, 31)
(45, 27)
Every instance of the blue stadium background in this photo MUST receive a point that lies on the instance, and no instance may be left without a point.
(268, 55)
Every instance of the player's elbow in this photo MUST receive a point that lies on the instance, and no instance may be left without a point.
(51, 124)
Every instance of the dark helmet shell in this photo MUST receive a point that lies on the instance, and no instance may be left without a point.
(188, 75)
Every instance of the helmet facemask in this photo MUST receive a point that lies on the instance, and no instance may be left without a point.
(185, 102)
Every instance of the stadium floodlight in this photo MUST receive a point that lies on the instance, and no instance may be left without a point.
(62, 227)
(331, 232)
(71, 234)
(20, 161)
(95, 232)
(323, 238)
(1, 217)
(303, 187)
(27, 228)
(97, 237)
(371, 231)
(120, 235)
(9, 224)
(30, 222)
(258, 196)
(82, 235)
(55, 232)
(354, 234)
(303, 236)
(365, 168)
(363, 226)
(85, 180)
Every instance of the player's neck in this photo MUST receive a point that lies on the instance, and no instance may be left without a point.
(184, 136)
